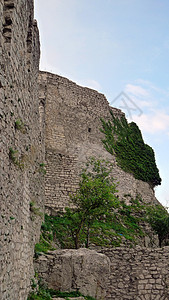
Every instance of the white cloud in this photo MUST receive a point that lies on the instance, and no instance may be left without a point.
(153, 122)
(139, 95)
(143, 103)
(151, 87)
(136, 90)
(152, 100)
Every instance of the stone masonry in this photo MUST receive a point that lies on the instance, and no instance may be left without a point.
(64, 118)
(73, 270)
(72, 117)
(21, 148)
(120, 274)
(138, 274)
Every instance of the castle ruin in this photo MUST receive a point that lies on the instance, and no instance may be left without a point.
(46, 119)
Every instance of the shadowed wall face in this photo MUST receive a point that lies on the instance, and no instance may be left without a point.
(21, 147)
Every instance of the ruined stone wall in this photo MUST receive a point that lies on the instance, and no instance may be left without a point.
(73, 270)
(72, 117)
(138, 274)
(21, 147)
(120, 274)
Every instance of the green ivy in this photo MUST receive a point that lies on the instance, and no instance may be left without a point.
(124, 140)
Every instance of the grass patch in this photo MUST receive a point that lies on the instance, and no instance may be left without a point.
(120, 227)
(44, 293)
(19, 125)
(13, 156)
(44, 246)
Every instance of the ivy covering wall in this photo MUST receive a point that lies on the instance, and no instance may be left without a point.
(134, 156)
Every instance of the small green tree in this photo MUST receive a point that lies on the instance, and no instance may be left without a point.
(94, 200)
(158, 217)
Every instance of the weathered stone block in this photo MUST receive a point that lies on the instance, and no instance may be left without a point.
(70, 270)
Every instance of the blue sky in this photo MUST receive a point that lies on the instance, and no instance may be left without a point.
(114, 46)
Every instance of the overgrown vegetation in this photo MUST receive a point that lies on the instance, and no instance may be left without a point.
(41, 292)
(45, 243)
(97, 218)
(13, 156)
(121, 225)
(94, 201)
(42, 168)
(132, 154)
(19, 125)
(158, 217)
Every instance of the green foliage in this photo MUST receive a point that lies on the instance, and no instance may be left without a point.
(34, 284)
(120, 225)
(97, 217)
(42, 168)
(19, 125)
(158, 217)
(56, 228)
(94, 199)
(13, 156)
(43, 293)
(132, 154)
(47, 294)
(44, 246)
(60, 294)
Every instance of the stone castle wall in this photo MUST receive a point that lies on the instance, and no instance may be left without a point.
(69, 117)
(21, 147)
(72, 117)
(119, 274)
(138, 274)
(72, 270)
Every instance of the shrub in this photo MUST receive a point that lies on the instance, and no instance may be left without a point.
(19, 125)
(13, 156)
